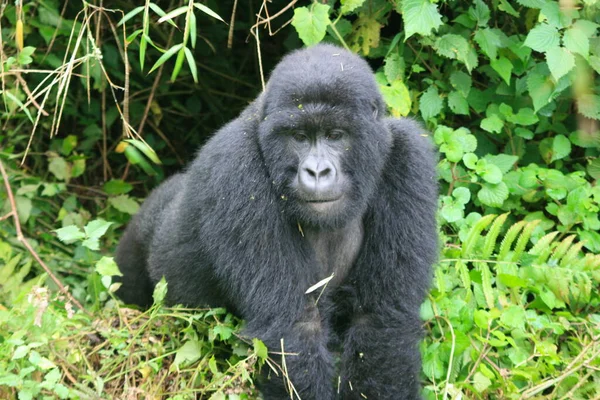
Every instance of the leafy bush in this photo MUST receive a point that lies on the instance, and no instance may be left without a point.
(508, 88)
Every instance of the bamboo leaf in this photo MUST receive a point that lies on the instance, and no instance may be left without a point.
(168, 54)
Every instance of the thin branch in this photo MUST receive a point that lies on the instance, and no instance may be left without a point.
(231, 25)
(264, 21)
(21, 238)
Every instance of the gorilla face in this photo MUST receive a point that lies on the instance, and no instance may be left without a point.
(313, 175)
(322, 136)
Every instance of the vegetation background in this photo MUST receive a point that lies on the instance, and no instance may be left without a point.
(101, 100)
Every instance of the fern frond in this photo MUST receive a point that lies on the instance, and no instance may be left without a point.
(524, 239)
(562, 248)
(570, 256)
(508, 240)
(475, 234)
(486, 284)
(543, 248)
(490, 239)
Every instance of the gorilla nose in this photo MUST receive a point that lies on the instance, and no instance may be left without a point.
(316, 175)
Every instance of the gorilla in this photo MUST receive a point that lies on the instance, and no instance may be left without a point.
(311, 181)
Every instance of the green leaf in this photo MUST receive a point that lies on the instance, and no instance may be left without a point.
(168, 54)
(456, 46)
(311, 23)
(160, 12)
(576, 41)
(489, 172)
(451, 211)
(178, 64)
(587, 27)
(59, 168)
(503, 161)
(18, 102)
(420, 16)
(561, 147)
(96, 228)
(394, 67)
(480, 13)
(492, 124)
(397, 97)
(451, 46)
(69, 234)
(493, 195)
(430, 103)
(107, 266)
(124, 204)
(503, 67)
(144, 148)
(160, 291)
(593, 168)
(189, 353)
(68, 144)
(458, 103)
(524, 117)
(481, 382)
(507, 8)
(130, 15)
(20, 352)
(542, 37)
(350, 5)
(433, 366)
(193, 34)
(461, 82)
(24, 207)
(589, 105)
(532, 3)
(78, 167)
(117, 186)
(595, 63)
(208, 11)
(24, 57)
(223, 331)
(540, 89)
(260, 349)
(191, 63)
(172, 14)
(560, 61)
(470, 160)
(488, 41)
(462, 195)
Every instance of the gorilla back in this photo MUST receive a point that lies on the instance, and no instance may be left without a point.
(311, 180)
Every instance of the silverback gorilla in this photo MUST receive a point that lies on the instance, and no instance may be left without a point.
(311, 180)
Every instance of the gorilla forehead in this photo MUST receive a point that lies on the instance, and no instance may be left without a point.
(323, 74)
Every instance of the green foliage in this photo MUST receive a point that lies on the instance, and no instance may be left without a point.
(497, 307)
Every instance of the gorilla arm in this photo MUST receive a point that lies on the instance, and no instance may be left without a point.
(392, 274)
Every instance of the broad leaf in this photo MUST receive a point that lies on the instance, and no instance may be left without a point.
(311, 22)
(420, 16)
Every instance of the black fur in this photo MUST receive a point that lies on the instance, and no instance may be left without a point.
(234, 231)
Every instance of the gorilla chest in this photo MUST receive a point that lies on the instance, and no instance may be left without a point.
(336, 250)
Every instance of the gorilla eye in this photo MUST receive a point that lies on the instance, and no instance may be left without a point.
(334, 135)
(299, 136)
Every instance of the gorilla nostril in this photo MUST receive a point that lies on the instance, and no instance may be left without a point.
(325, 173)
(311, 173)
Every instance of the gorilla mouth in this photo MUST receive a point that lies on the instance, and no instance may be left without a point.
(323, 205)
(322, 201)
